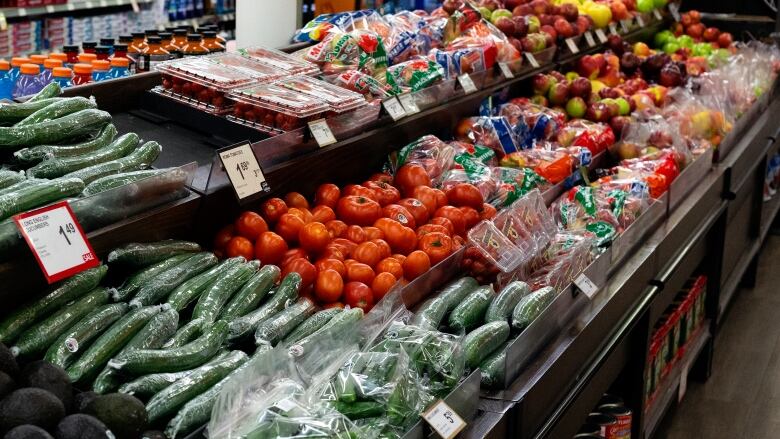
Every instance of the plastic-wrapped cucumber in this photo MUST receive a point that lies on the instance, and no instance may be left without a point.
(311, 325)
(530, 306)
(338, 323)
(143, 254)
(58, 109)
(72, 126)
(120, 147)
(277, 327)
(39, 153)
(161, 285)
(286, 293)
(216, 295)
(9, 178)
(147, 385)
(139, 159)
(12, 113)
(187, 333)
(51, 90)
(78, 338)
(144, 276)
(502, 306)
(493, 368)
(252, 293)
(170, 399)
(109, 182)
(471, 311)
(71, 289)
(430, 313)
(193, 288)
(23, 184)
(483, 341)
(36, 195)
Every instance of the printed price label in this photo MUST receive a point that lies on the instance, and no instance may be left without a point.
(657, 15)
(103, 3)
(243, 170)
(88, 5)
(444, 420)
(57, 241)
(586, 285)
(21, 12)
(613, 28)
(321, 132)
(505, 70)
(70, 6)
(674, 8)
(394, 108)
(467, 83)
(572, 45)
(532, 60)
(407, 100)
(50, 9)
(601, 35)
(625, 25)
(134, 4)
(640, 21)
(589, 38)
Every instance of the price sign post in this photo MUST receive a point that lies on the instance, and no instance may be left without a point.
(243, 171)
(444, 420)
(57, 241)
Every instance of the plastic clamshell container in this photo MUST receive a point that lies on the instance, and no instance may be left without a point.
(531, 211)
(517, 232)
(496, 247)
(275, 109)
(202, 81)
(280, 60)
(263, 73)
(339, 100)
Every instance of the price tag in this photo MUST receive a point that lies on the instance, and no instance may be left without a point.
(57, 241)
(88, 5)
(50, 9)
(625, 25)
(467, 83)
(243, 170)
(321, 132)
(394, 108)
(657, 15)
(601, 35)
(683, 382)
(674, 8)
(444, 420)
(613, 28)
(532, 60)
(589, 38)
(640, 21)
(586, 285)
(3, 22)
(572, 45)
(70, 7)
(21, 12)
(134, 4)
(103, 3)
(505, 70)
(407, 100)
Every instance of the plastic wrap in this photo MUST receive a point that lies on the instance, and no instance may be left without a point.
(540, 123)
(359, 50)
(279, 60)
(429, 152)
(647, 134)
(495, 133)
(362, 83)
(553, 166)
(513, 184)
(415, 74)
(557, 266)
(597, 137)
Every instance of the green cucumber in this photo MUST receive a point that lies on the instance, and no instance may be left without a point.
(39, 153)
(170, 399)
(286, 293)
(471, 311)
(277, 327)
(193, 354)
(38, 195)
(457, 290)
(530, 306)
(141, 158)
(334, 327)
(58, 109)
(493, 368)
(191, 289)
(39, 337)
(109, 182)
(252, 293)
(57, 167)
(51, 90)
(10, 178)
(110, 342)
(140, 255)
(152, 336)
(214, 297)
(12, 113)
(79, 337)
(23, 184)
(431, 313)
(145, 276)
(360, 409)
(147, 385)
(71, 289)
(481, 342)
(158, 288)
(311, 325)
(187, 333)
(72, 126)
(502, 306)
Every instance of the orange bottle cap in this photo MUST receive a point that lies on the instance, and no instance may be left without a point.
(120, 62)
(60, 56)
(38, 59)
(51, 63)
(19, 60)
(81, 68)
(101, 64)
(4, 65)
(30, 69)
(61, 72)
(87, 58)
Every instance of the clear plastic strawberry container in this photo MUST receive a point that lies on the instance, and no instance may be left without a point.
(201, 83)
(280, 60)
(262, 72)
(339, 100)
(273, 108)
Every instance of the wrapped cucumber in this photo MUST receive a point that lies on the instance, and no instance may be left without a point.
(37, 195)
(72, 126)
(120, 147)
(39, 153)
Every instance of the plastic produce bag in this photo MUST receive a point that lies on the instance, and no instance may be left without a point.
(415, 74)
(595, 136)
(541, 123)
(566, 257)
(554, 166)
(360, 50)
(513, 184)
(429, 152)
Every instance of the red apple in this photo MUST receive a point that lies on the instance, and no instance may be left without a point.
(583, 24)
(695, 16)
(725, 40)
(711, 34)
(570, 11)
(490, 4)
(695, 30)
(619, 11)
(451, 6)
(558, 94)
(581, 87)
(505, 25)
(686, 19)
(546, 20)
(521, 26)
(588, 67)
(511, 4)
(618, 124)
(540, 100)
(516, 43)
(539, 7)
(542, 83)
(564, 28)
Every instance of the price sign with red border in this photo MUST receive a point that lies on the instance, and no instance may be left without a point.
(57, 240)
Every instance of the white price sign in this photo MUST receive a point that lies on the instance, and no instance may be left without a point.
(613, 28)
(640, 21)
(243, 170)
(70, 6)
(50, 9)
(674, 8)
(394, 108)
(586, 285)
(467, 83)
(532, 60)
(601, 35)
(505, 70)
(57, 241)
(572, 45)
(444, 420)
(407, 100)
(589, 38)
(103, 3)
(21, 12)
(321, 132)
(625, 25)
(657, 15)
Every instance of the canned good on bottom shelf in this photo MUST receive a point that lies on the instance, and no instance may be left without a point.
(623, 415)
(607, 423)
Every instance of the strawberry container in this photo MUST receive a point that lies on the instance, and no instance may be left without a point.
(274, 109)
(280, 60)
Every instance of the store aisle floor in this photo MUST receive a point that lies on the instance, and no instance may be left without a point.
(741, 399)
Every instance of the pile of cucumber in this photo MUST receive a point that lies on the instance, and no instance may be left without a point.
(64, 147)
(488, 319)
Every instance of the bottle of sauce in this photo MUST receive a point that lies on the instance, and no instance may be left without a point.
(88, 46)
(72, 52)
(82, 73)
(103, 52)
(167, 44)
(194, 46)
(155, 54)
(211, 43)
(179, 38)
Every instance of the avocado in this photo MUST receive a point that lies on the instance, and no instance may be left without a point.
(123, 414)
(81, 400)
(30, 406)
(7, 361)
(153, 434)
(7, 384)
(46, 376)
(27, 432)
(80, 426)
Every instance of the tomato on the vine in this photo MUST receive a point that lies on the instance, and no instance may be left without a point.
(444, 222)
(409, 176)
(357, 190)
(295, 199)
(327, 194)
(323, 214)
(289, 226)
(392, 266)
(240, 246)
(427, 196)
(358, 210)
(417, 209)
(360, 272)
(336, 228)
(416, 264)
(385, 192)
(270, 248)
(382, 283)
(456, 216)
(465, 194)
(222, 237)
(273, 209)
(331, 264)
(355, 234)
(303, 267)
(329, 286)
(367, 253)
(400, 214)
(358, 295)
(373, 233)
(436, 245)
(314, 237)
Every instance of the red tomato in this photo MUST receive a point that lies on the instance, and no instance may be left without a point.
(346, 245)
(385, 193)
(470, 215)
(273, 209)
(392, 266)
(436, 245)
(333, 252)
(323, 214)
(303, 267)
(401, 239)
(457, 243)
(222, 237)
(417, 209)
(301, 213)
(444, 222)
(430, 228)
(355, 234)
(327, 194)
(384, 247)
(358, 295)
(331, 264)
(329, 286)
(250, 225)
(441, 198)
(416, 264)
(336, 228)
(314, 237)
(409, 176)
(357, 190)
(488, 211)
(400, 214)
(270, 248)
(373, 233)
(289, 226)
(361, 211)
(349, 262)
(359, 272)
(240, 246)
(367, 253)
(291, 255)
(295, 199)
(380, 176)
(333, 305)
(382, 283)
(456, 216)
(465, 194)
(427, 196)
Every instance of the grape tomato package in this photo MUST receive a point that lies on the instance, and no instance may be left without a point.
(261, 72)
(203, 81)
(279, 60)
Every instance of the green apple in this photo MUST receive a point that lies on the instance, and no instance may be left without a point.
(486, 13)
(500, 13)
(663, 37)
(702, 49)
(671, 48)
(685, 41)
(645, 6)
(625, 107)
(576, 107)
(571, 76)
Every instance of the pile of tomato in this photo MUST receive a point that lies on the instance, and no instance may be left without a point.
(351, 245)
